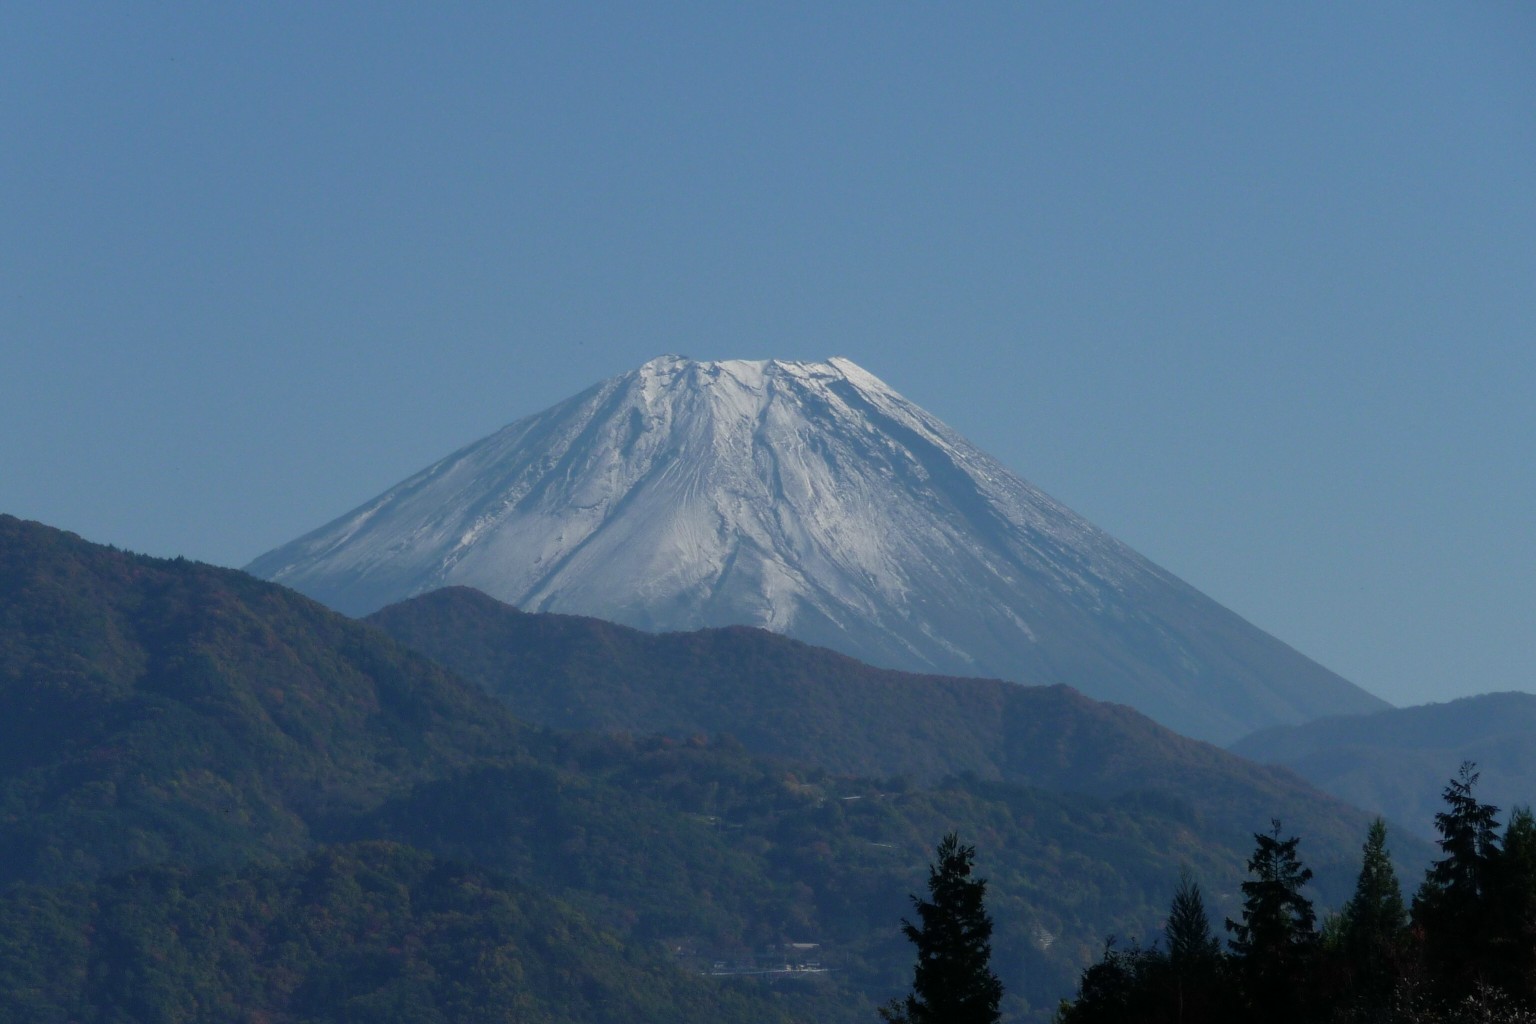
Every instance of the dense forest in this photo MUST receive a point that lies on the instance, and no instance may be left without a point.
(810, 706)
(1463, 950)
(362, 933)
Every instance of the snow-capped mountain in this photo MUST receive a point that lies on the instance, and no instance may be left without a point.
(813, 500)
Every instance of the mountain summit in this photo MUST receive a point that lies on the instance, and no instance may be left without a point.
(814, 500)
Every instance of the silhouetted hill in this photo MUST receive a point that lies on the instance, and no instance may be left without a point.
(1397, 762)
(809, 705)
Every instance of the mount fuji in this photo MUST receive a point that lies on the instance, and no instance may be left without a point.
(813, 500)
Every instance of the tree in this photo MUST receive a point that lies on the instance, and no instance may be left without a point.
(1453, 905)
(953, 982)
(1373, 922)
(1376, 910)
(1197, 971)
(1514, 946)
(1469, 839)
(1127, 986)
(1143, 985)
(1277, 934)
(1189, 930)
(1277, 918)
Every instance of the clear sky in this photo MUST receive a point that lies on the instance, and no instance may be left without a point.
(1253, 287)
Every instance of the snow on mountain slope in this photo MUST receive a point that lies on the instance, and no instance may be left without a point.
(811, 499)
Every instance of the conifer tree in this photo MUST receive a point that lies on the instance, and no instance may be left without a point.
(1144, 985)
(1453, 905)
(1376, 908)
(953, 982)
(1197, 983)
(1277, 935)
(1277, 918)
(1189, 930)
(1373, 920)
(1515, 902)
(1468, 838)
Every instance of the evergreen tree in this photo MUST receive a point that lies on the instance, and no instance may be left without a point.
(1277, 918)
(1277, 934)
(1189, 930)
(1452, 906)
(1197, 980)
(1186, 985)
(1468, 838)
(1373, 923)
(1127, 986)
(953, 982)
(1515, 933)
(1376, 909)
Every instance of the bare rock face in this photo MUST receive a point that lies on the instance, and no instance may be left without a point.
(813, 500)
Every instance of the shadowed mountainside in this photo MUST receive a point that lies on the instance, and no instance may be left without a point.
(178, 740)
(371, 933)
(809, 705)
(157, 710)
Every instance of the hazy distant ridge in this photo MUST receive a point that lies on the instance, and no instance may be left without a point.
(1397, 761)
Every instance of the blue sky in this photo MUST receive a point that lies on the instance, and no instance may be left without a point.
(1253, 289)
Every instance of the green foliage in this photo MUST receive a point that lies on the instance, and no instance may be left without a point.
(1276, 938)
(176, 740)
(1468, 838)
(810, 706)
(701, 845)
(1373, 924)
(1514, 949)
(1187, 984)
(364, 933)
(953, 982)
(1370, 969)
(1375, 913)
(156, 712)
(1190, 941)
(1277, 919)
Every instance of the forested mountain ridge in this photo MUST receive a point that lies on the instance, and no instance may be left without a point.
(181, 744)
(370, 933)
(177, 737)
(156, 710)
(808, 705)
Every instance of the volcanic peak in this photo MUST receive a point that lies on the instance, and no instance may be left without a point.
(812, 499)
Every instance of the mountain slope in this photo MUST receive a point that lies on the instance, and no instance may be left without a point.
(176, 740)
(206, 732)
(812, 706)
(156, 710)
(813, 500)
(1398, 761)
(371, 933)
